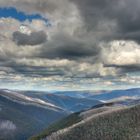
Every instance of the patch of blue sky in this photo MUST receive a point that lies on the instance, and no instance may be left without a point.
(19, 15)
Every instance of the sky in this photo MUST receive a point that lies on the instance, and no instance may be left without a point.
(69, 44)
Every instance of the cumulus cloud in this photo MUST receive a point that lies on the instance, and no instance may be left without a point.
(86, 39)
(125, 22)
(33, 38)
(64, 46)
(103, 19)
(122, 54)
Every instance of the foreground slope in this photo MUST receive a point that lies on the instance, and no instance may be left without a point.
(66, 122)
(105, 123)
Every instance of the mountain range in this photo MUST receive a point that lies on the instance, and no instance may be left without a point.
(27, 113)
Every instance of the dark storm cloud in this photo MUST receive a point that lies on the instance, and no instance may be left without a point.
(65, 47)
(135, 36)
(126, 14)
(69, 51)
(35, 38)
(34, 71)
(126, 68)
(37, 71)
(100, 20)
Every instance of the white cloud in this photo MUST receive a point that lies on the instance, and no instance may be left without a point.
(63, 14)
(121, 53)
(67, 27)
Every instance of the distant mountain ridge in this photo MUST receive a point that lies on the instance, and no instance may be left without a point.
(123, 103)
(27, 113)
(28, 118)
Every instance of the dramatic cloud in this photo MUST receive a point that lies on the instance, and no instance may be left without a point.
(122, 54)
(101, 13)
(33, 38)
(84, 43)
(64, 46)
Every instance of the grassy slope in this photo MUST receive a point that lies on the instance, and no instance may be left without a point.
(66, 122)
(119, 125)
